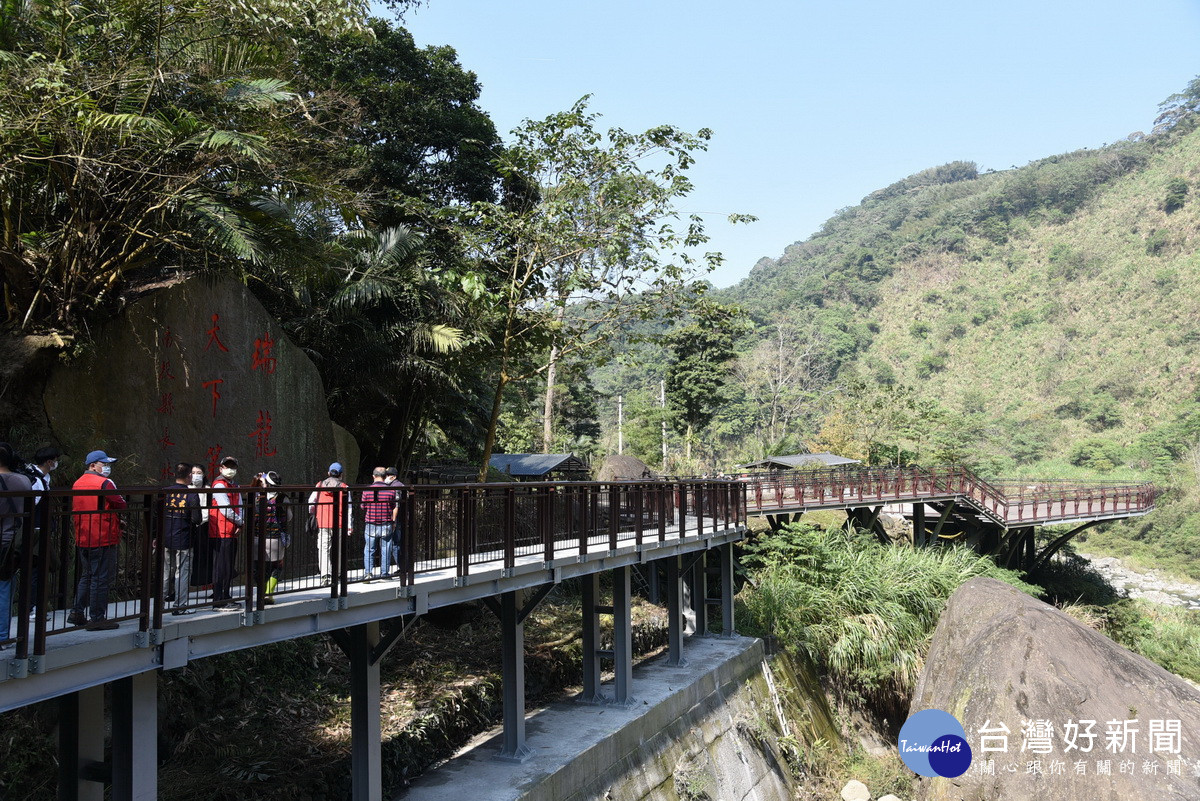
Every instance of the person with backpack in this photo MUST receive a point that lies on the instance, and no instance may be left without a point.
(97, 532)
(321, 506)
(271, 522)
(12, 511)
(181, 519)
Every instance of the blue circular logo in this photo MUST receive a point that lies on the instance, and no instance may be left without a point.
(934, 743)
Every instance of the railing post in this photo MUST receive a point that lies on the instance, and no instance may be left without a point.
(639, 504)
(510, 527)
(614, 514)
(462, 501)
(683, 505)
(157, 578)
(408, 540)
(660, 495)
(148, 560)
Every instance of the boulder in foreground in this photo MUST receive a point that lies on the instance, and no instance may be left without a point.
(1003, 660)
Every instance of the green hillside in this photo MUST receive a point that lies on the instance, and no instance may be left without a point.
(1032, 322)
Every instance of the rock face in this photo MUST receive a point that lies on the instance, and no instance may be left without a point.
(193, 373)
(1000, 658)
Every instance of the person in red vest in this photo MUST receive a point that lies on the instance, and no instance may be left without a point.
(224, 525)
(97, 532)
(321, 506)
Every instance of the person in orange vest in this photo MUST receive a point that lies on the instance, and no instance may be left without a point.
(224, 525)
(322, 507)
(97, 532)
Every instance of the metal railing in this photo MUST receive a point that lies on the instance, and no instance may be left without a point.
(448, 529)
(1007, 502)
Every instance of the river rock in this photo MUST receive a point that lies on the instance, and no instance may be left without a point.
(889, 797)
(1003, 660)
(855, 791)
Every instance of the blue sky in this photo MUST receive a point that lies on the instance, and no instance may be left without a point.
(815, 105)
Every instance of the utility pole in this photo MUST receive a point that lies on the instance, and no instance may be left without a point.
(662, 402)
(620, 424)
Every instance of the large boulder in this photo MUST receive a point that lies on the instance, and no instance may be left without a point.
(195, 372)
(1001, 658)
(617, 468)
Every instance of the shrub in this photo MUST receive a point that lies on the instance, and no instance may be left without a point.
(863, 612)
(1177, 190)
(1155, 242)
(1097, 454)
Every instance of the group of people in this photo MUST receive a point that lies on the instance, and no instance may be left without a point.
(190, 518)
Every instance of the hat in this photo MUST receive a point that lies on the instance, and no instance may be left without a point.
(336, 467)
(98, 456)
(391, 471)
(271, 478)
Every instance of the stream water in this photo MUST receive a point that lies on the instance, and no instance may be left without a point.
(1149, 585)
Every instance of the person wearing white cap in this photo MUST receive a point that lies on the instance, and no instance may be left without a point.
(321, 506)
(97, 532)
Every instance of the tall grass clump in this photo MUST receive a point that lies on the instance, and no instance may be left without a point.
(861, 611)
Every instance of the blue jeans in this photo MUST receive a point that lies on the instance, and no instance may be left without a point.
(377, 533)
(97, 566)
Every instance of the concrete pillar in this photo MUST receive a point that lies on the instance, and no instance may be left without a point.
(591, 639)
(727, 589)
(654, 589)
(674, 612)
(366, 775)
(135, 738)
(699, 594)
(80, 744)
(512, 638)
(622, 636)
(918, 524)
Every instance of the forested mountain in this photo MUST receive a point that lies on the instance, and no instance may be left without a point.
(1004, 317)
(1035, 321)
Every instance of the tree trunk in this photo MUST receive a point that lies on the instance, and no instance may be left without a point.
(548, 409)
(493, 423)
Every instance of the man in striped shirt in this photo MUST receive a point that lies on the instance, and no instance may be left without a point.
(379, 515)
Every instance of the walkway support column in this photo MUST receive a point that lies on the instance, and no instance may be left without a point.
(727, 589)
(699, 592)
(590, 585)
(512, 614)
(918, 524)
(622, 636)
(80, 744)
(366, 772)
(365, 646)
(135, 738)
(674, 612)
(512, 636)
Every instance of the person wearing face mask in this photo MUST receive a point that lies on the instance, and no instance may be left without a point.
(181, 518)
(45, 462)
(271, 520)
(201, 545)
(224, 525)
(97, 532)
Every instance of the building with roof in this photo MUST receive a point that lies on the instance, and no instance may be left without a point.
(542, 466)
(798, 460)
